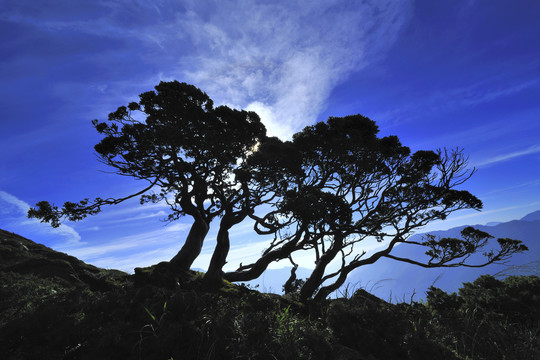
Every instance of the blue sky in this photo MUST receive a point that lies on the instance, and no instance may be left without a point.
(435, 73)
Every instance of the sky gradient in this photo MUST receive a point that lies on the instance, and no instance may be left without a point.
(435, 73)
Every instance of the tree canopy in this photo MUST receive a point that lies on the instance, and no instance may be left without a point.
(185, 149)
(342, 185)
(334, 187)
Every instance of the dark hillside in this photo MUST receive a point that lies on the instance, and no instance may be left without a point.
(54, 306)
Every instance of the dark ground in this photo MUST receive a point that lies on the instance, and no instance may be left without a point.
(54, 306)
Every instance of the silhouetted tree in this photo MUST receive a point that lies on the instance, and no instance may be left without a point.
(338, 185)
(333, 187)
(187, 151)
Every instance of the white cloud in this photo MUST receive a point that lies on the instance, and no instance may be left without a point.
(524, 185)
(144, 215)
(485, 91)
(130, 211)
(245, 254)
(13, 213)
(15, 205)
(177, 227)
(509, 156)
(283, 59)
(129, 262)
(459, 219)
(138, 243)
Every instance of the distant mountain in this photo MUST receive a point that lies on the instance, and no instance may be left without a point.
(392, 280)
(389, 279)
(532, 216)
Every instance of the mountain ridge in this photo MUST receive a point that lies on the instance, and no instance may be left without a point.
(407, 279)
(534, 216)
(387, 278)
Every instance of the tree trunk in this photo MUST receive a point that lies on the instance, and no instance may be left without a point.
(315, 279)
(345, 271)
(288, 287)
(214, 275)
(327, 290)
(193, 245)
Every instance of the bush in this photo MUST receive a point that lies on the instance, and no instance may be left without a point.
(490, 319)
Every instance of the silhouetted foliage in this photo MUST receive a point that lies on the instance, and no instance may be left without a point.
(489, 319)
(185, 149)
(338, 185)
(334, 187)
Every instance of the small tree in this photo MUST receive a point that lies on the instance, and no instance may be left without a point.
(340, 185)
(187, 151)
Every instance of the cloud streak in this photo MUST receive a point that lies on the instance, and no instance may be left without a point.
(535, 149)
(13, 214)
(447, 100)
(459, 219)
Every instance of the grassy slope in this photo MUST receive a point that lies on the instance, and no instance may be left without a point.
(53, 306)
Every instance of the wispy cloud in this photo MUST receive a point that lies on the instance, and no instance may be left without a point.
(244, 254)
(177, 227)
(13, 214)
(502, 214)
(509, 156)
(459, 219)
(128, 262)
(282, 59)
(489, 90)
(484, 132)
(131, 211)
(142, 216)
(19, 206)
(137, 243)
(524, 185)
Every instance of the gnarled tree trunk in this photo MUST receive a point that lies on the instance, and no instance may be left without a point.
(193, 245)
(315, 280)
(215, 275)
